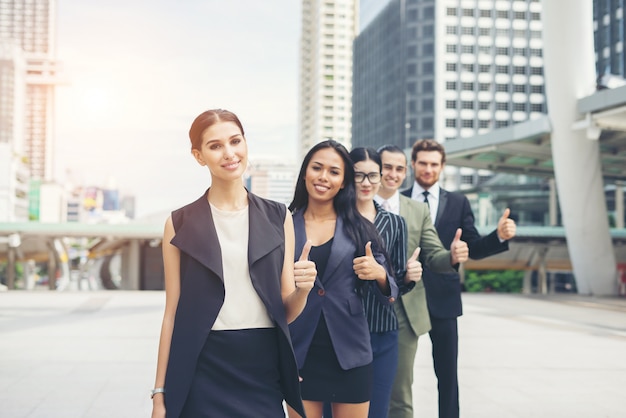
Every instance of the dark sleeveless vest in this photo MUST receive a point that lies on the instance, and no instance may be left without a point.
(202, 292)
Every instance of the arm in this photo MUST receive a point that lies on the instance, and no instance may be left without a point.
(405, 281)
(295, 289)
(433, 253)
(479, 247)
(373, 267)
(171, 265)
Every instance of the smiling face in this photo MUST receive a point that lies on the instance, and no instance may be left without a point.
(427, 168)
(223, 150)
(365, 190)
(394, 171)
(324, 175)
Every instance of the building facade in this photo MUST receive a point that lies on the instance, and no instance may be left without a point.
(609, 27)
(14, 174)
(30, 24)
(325, 108)
(272, 180)
(447, 70)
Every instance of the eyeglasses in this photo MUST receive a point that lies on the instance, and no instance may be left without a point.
(373, 177)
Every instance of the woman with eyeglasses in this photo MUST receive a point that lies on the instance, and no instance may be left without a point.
(382, 320)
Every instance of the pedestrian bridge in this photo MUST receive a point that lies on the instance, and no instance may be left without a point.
(137, 247)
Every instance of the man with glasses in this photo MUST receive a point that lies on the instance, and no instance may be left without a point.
(411, 309)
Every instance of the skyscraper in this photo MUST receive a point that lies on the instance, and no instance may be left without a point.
(30, 24)
(13, 168)
(328, 30)
(609, 28)
(446, 70)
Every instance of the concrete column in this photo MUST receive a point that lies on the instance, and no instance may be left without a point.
(619, 204)
(131, 262)
(553, 208)
(569, 75)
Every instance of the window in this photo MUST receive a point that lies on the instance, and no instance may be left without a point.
(467, 86)
(428, 49)
(502, 69)
(502, 14)
(428, 67)
(502, 51)
(502, 106)
(468, 12)
(483, 105)
(451, 48)
(519, 88)
(467, 49)
(536, 89)
(451, 11)
(519, 107)
(467, 179)
(536, 107)
(451, 67)
(428, 31)
(483, 124)
(484, 87)
(534, 52)
(450, 104)
(427, 123)
(502, 124)
(484, 68)
(467, 105)
(502, 87)
(427, 86)
(467, 123)
(485, 13)
(450, 123)
(484, 32)
(451, 30)
(411, 69)
(450, 85)
(519, 15)
(536, 70)
(467, 67)
(467, 30)
(427, 105)
(519, 70)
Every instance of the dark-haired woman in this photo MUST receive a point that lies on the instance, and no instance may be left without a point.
(231, 289)
(331, 336)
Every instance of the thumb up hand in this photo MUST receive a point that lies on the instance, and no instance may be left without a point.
(506, 226)
(304, 270)
(414, 267)
(459, 251)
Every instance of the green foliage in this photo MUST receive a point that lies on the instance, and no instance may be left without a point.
(505, 281)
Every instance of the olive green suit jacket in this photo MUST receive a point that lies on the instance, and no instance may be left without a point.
(421, 233)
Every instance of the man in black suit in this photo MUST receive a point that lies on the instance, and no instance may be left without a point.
(449, 211)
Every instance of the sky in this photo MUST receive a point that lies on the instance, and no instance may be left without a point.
(134, 75)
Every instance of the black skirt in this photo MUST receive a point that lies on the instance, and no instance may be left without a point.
(324, 380)
(237, 375)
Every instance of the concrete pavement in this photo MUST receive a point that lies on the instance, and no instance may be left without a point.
(93, 354)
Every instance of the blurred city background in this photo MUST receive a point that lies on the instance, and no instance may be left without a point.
(89, 175)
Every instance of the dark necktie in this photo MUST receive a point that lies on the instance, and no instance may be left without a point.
(425, 193)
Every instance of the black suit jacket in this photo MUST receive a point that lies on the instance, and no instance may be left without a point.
(443, 291)
(202, 292)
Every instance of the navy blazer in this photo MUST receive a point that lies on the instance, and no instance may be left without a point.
(339, 301)
(443, 290)
(202, 292)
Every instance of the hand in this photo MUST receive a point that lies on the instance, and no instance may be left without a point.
(367, 268)
(414, 267)
(506, 226)
(459, 251)
(304, 270)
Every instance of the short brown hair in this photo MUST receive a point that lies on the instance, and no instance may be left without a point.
(427, 145)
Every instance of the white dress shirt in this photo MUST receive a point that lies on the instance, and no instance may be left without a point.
(393, 202)
(433, 197)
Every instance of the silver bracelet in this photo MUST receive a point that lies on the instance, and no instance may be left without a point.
(155, 391)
